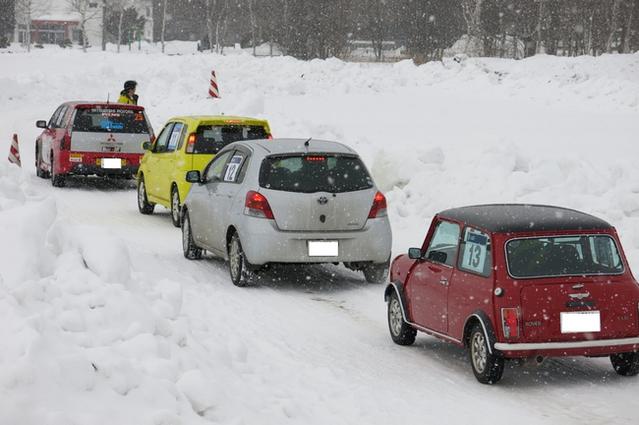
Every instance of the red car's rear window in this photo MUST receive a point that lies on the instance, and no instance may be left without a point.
(110, 120)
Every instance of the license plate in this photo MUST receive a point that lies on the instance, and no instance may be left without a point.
(111, 163)
(75, 157)
(323, 248)
(580, 321)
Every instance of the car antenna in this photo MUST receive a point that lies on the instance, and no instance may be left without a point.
(307, 142)
(108, 97)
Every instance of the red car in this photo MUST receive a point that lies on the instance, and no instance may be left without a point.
(518, 281)
(89, 138)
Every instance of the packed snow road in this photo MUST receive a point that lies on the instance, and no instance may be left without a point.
(311, 345)
(103, 321)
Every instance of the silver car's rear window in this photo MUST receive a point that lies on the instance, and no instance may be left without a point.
(311, 173)
(110, 120)
(579, 255)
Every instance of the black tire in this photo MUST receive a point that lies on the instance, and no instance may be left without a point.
(487, 367)
(625, 364)
(144, 206)
(38, 163)
(376, 273)
(57, 180)
(401, 332)
(175, 206)
(190, 249)
(240, 270)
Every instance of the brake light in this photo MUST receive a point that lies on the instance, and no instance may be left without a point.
(190, 143)
(315, 158)
(510, 322)
(256, 205)
(379, 206)
(66, 141)
(269, 137)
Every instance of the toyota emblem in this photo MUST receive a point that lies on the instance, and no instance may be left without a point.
(322, 200)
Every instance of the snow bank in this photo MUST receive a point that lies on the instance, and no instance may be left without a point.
(108, 324)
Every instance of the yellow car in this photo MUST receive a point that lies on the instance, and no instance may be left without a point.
(184, 144)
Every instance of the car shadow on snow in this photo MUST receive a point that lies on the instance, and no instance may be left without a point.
(100, 183)
(560, 371)
(313, 278)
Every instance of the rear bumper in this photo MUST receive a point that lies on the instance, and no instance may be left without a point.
(597, 347)
(264, 243)
(88, 163)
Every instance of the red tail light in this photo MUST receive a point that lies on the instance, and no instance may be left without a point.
(379, 206)
(190, 143)
(256, 205)
(66, 141)
(510, 322)
(269, 137)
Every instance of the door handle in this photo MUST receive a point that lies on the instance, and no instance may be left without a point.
(435, 269)
(443, 281)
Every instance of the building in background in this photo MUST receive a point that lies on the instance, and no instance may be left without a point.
(56, 21)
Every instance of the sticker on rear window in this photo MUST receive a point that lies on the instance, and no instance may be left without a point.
(475, 246)
(233, 167)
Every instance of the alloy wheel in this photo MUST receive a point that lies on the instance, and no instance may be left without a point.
(395, 317)
(479, 353)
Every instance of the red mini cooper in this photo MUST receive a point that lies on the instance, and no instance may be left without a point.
(518, 281)
(88, 138)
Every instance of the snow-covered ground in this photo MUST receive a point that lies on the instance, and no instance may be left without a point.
(102, 321)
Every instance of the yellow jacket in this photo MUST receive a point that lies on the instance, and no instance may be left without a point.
(124, 98)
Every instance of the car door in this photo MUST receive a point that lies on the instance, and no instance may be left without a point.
(49, 135)
(221, 196)
(166, 162)
(429, 279)
(201, 209)
(153, 173)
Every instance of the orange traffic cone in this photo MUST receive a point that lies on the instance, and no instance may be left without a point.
(14, 152)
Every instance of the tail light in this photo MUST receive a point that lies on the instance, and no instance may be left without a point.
(256, 205)
(65, 144)
(510, 322)
(190, 143)
(269, 136)
(379, 206)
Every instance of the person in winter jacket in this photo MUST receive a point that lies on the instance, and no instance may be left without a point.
(128, 95)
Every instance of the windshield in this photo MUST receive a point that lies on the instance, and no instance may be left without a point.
(563, 256)
(314, 173)
(110, 120)
(211, 139)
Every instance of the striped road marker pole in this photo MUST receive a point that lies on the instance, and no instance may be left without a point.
(14, 152)
(214, 90)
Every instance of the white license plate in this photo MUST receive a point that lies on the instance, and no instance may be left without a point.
(323, 248)
(111, 163)
(580, 321)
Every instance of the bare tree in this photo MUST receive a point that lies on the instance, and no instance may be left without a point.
(472, 15)
(163, 23)
(87, 11)
(25, 11)
(216, 14)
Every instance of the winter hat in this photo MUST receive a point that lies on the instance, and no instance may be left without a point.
(128, 85)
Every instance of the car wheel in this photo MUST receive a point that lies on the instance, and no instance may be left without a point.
(488, 367)
(38, 163)
(625, 364)
(57, 180)
(175, 207)
(191, 251)
(241, 274)
(376, 273)
(401, 332)
(144, 205)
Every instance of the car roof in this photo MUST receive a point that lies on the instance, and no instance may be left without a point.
(505, 218)
(220, 118)
(286, 146)
(95, 103)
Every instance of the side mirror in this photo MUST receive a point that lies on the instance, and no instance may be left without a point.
(146, 146)
(415, 253)
(438, 256)
(41, 124)
(193, 176)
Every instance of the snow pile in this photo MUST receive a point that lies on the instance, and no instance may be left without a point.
(106, 322)
(87, 337)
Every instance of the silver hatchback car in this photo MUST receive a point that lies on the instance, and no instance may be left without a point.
(290, 201)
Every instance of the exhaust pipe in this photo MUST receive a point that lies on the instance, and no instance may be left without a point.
(539, 360)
